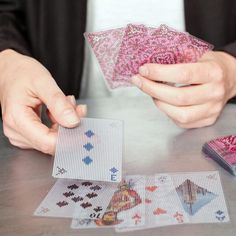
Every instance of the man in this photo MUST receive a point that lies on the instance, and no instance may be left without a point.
(51, 32)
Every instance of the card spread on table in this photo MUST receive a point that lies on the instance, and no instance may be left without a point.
(223, 151)
(88, 198)
(120, 52)
(139, 202)
(91, 151)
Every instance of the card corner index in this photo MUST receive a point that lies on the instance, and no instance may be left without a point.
(115, 174)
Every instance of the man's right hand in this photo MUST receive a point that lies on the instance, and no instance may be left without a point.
(25, 85)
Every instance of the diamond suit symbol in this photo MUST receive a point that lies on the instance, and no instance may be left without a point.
(88, 146)
(89, 133)
(87, 160)
(113, 170)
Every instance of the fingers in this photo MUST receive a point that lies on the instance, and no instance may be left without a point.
(179, 96)
(189, 73)
(198, 124)
(15, 138)
(81, 110)
(62, 110)
(37, 134)
(189, 115)
(26, 131)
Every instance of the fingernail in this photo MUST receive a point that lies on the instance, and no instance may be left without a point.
(71, 117)
(83, 109)
(143, 70)
(137, 81)
(72, 99)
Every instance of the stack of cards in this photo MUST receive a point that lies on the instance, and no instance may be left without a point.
(91, 151)
(120, 52)
(138, 202)
(223, 151)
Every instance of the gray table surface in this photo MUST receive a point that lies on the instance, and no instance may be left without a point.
(153, 144)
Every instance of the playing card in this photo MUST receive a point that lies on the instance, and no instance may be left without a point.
(120, 52)
(91, 151)
(106, 45)
(162, 204)
(67, 195)
(58, 202)
(223, 151)
(162, 45)
(126, 207)
(202, 196)
(95, 200)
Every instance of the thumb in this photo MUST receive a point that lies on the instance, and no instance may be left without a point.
(63, 111)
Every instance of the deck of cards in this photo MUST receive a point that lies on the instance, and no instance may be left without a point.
(223, 151)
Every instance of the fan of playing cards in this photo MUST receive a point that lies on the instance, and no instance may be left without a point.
(120, 52)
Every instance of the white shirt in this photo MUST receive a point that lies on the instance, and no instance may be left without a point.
(108, 14)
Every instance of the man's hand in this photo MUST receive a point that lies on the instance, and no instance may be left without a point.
(209, 84)
(24, 86)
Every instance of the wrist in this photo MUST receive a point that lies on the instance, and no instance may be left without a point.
(6, 59)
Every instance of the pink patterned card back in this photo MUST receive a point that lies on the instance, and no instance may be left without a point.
(141, 45)
(106, 46)
(120, 52)
(225, 147)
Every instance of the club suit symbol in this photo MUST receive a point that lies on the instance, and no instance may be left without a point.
(98, 208)
(68, 194)
(87, 183)
(73, 186)
(91, 195)
(96, 187)
(77, 199)
(86, 205)
(62, 203)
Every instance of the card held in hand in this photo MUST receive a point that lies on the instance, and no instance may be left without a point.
(120, 52)
(91, 151)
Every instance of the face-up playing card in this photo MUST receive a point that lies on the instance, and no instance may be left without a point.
(120, 52)
(223, 151)
(95, 201)
(162, 204)
(66, 196)
(202, 196)
(91, 151)
(126, 208)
